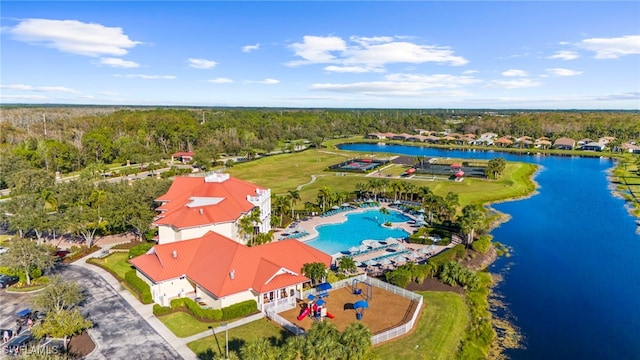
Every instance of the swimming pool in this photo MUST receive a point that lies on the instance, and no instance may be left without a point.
(334, 238)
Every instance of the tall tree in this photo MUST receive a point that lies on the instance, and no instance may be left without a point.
(58, 296)
(473, 216)
(62, 324)
(294, 197)
(24, 255)
(356, 341)
(315, 271)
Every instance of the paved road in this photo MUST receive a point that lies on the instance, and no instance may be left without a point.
(119, 331)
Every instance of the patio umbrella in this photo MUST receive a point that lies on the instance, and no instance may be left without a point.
(324, 286)
(354, 249)
(398, 259)
(424, 250)
(335, 207)
(375, 244)
(400, 247)
(413, 255)
(346, 205)
(371, 262)
(421, 210)
(363, 247)
(385, 262)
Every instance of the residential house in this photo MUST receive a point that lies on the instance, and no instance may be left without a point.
(630, 148)
(503, 142)
(193, 206)
(564, 143)
(593, 146)
(183, 156)
(217, 271)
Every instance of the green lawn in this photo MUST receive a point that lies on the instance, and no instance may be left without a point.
(4, 238)
(183, 324)
(116, 262)
(206, 347)
(439, 331)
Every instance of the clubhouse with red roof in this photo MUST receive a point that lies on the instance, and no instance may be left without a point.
(202, 252)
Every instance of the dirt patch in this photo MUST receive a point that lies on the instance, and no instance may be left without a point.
(433, 284)
(386, 310)
(477, 261)
(81, 345)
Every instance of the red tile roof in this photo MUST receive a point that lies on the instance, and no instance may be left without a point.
(218, 201)
(210, 260)
(183, 153)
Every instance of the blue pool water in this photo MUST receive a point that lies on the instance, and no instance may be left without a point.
(334, 238)
(572, 284)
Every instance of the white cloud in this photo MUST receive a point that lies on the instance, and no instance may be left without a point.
(23, 97)
(563, 72)
(612, 48)
(119, 63)
(250, 48)
(564, 55)
(265, 82)
(75, 37)
(108, 93)
(220, 81)
(145, 76)
(407, 85)
(368, 54)
(201, 63)
(22, 87)
(469, 72)
(514, 73)
(514, 84)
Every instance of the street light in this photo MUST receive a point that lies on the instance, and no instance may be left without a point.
(226, 339)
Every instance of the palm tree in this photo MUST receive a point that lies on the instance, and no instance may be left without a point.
(473, 215)
(258, 349)
(294, 196)
(315, 271)
(385, 212)
(423, 191)
(356, 340)
(347, 265)
(324, 195)
(396, 187)
(410, 189)
(50, 200)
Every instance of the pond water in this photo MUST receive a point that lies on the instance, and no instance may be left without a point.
(572, 284)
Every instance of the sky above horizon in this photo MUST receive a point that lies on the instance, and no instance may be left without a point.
(341, 54)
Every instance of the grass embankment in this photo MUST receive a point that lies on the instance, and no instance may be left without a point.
(438, 333)
(626, 179)
(116, 263)
(212, 347)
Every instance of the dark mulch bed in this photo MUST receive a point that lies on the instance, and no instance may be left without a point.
(432, 284)
(81, 345)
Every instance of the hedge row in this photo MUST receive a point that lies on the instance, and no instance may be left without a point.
(159, 310)
(139, 286)
(231, 312)
(140, 249)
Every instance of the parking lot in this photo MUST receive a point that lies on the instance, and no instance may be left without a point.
(118, 332)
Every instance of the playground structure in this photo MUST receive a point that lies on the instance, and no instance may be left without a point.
(316, 310)
(359, 307)
(358, 286)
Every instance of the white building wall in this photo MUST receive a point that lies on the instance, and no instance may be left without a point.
(173, 288)
(238, 297)
(168, 234)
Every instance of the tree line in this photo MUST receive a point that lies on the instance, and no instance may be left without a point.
(72, 140)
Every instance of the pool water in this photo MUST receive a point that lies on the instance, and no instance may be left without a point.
(334, 238)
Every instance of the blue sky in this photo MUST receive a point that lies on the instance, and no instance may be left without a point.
(540, 55)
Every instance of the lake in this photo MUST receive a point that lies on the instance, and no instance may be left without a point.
(572, 284)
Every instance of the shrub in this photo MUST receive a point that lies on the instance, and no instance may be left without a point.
(239, 310)
(141, 287)
(399, 277)
(482, 245)
(199, 312)
(177, 303)
(161, 310)
(140, 249)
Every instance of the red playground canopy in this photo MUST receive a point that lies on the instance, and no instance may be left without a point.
(453, 166)
(460, 173)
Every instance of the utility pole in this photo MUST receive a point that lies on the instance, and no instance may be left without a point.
(44, 122)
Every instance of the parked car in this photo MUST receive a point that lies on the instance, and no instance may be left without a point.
(60, 254)
(7, 280)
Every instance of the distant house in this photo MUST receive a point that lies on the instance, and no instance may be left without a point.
(219, 272)
(503, 142)
(416, 138)
(542, 143)
(593, 146)
(564, 143)
(402, 137)
(630, 147)
(584, 141)
(183, 156)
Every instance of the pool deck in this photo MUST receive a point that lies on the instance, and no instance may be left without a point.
(313, 222)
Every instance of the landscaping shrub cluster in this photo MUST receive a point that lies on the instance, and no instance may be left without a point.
(231, 312)
(483, 244)
(404, 274)
(140, 249)
(141, 287)
(77, 252)
(455, 253)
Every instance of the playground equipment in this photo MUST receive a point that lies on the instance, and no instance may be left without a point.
(323, 289)
(359, 306)
(358, 290)
(316, 310)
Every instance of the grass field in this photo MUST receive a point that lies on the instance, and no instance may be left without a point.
(211, 347)
(438, 333)
(282, 173)
(183, 324)
(116, 262)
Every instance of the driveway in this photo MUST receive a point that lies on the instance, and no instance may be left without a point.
(119, 331)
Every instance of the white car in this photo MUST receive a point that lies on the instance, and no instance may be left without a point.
(3, 250)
